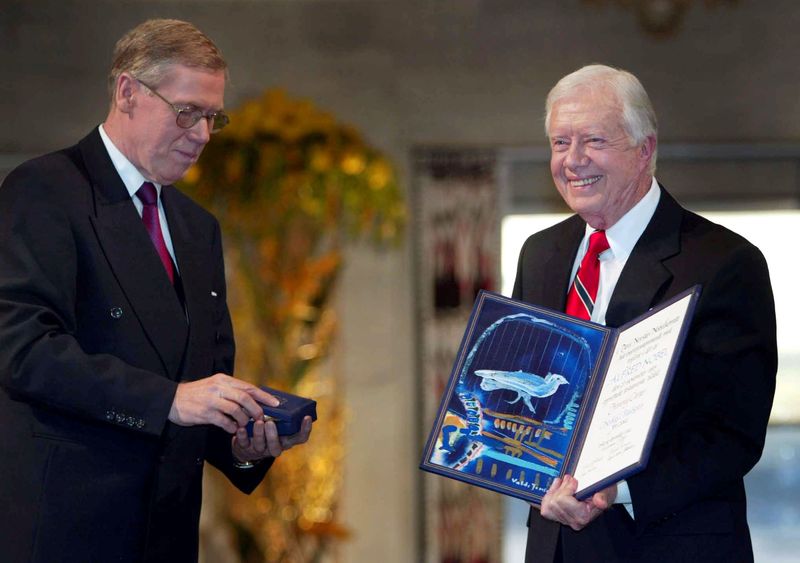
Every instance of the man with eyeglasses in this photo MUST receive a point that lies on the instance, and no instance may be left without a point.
(117, 346)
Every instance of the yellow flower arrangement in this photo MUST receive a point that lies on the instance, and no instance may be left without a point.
(290, 186)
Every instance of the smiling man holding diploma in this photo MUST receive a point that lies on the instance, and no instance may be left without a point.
(629, 247)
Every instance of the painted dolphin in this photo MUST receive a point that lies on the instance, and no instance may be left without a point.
(525, 385)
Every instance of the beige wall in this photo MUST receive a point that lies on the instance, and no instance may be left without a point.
(410, 72)
(454, 71)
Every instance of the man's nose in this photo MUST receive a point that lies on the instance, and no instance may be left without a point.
(576, 155)
(200, 132)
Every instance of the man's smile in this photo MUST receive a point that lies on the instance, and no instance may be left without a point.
(582, 182)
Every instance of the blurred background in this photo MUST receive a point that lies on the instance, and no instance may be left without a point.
(422, 121)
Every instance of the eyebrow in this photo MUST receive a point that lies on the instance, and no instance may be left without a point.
(193, 105)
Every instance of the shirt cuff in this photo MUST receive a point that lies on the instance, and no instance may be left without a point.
(623, 493)
(624, 496)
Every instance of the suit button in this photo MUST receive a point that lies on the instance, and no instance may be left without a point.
(120, 418)
(140, 423)
(116, 312)
(198, 461)
(110, 415)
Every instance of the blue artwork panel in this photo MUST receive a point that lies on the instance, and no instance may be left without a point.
(512, 409)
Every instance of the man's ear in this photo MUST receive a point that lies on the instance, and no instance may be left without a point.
(124, 92)
(648, 147)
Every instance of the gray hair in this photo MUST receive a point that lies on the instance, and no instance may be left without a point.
(638, 116)
(150, 48)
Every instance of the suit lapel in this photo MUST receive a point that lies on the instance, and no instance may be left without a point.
(192, 257)
(645, 276)
(557, 264)
(133, 259)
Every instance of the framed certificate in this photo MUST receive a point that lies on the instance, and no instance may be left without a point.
(535, 394)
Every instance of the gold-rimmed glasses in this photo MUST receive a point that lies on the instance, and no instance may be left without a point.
(187, 116)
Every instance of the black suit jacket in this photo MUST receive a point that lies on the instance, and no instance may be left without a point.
(94, 342)
(689, 503)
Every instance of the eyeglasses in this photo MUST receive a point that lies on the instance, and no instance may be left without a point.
(187, 116)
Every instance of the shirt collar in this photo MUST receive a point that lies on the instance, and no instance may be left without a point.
(129, 174)
(623, 235)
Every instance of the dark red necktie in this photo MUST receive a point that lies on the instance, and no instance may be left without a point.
(581, 296)
(149, 198)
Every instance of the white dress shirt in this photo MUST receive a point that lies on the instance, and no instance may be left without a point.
(622, 237)
(133, 180)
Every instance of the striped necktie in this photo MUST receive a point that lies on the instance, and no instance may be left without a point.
(581, 296)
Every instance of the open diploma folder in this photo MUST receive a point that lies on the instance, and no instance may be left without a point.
(535, 394)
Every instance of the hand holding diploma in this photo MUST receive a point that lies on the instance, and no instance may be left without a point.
(560, 504)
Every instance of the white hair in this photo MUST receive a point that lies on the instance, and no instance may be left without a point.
(638, 116)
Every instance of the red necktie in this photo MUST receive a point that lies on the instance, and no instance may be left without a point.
(581, 296)
(149, 197)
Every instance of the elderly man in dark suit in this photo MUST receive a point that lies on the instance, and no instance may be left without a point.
(116, 339)
(629, 247)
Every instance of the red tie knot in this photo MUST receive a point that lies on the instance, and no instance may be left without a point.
(598, 243)
(147, 194)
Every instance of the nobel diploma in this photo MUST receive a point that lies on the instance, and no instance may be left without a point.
(631, 395)
(535, 394)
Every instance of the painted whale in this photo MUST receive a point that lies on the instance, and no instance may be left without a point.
(525, 385)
